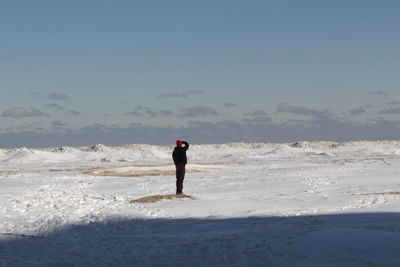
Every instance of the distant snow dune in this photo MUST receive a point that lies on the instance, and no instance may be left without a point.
(249, 204)
(141, 152)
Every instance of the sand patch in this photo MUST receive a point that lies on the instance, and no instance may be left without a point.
(135, 171)
(156, 198)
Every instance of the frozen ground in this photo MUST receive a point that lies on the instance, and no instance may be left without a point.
(303, 204)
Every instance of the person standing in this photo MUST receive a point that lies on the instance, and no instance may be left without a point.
(180, 160)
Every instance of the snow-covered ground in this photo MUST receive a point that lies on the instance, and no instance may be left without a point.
(303, 204)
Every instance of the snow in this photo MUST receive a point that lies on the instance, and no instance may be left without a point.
(301, 204)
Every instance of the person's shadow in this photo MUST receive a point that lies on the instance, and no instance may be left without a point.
(371, 239)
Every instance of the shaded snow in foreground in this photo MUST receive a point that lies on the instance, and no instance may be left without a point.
(302, 204)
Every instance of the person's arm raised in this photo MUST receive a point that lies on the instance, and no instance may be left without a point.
(186, 145)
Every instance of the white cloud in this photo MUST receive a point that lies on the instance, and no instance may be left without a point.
(150, 112)
(199, 110)
(35, 94)
(172, 95)
(73, 112)
(19, 112)
(257, 120)
(56, 106)
(359, 110)
(58, 124)
(390, 111)
(257, 113)
(58, 96)
(231, 105)
(258, 116)
(183, 94)
(378, 92)
(299, 110)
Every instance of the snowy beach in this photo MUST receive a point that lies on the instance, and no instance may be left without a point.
(301, 204)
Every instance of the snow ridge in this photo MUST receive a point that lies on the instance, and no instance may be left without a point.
(217, 152)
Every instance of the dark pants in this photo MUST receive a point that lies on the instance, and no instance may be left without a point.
(180, 175)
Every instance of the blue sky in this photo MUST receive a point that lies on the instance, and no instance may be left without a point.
(118, 72)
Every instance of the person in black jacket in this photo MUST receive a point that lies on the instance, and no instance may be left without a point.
(180, 160)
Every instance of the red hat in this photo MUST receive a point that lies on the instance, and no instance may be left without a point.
(179, 142)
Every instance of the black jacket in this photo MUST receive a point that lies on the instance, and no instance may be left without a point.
(179, 154)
